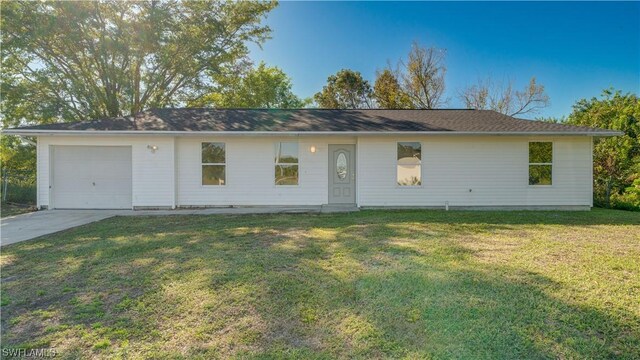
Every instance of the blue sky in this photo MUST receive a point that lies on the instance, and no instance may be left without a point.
(575, 49)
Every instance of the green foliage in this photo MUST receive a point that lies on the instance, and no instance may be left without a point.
(65, 61)
(616, 159)
(19, 191)
(418, 83)
(17, 155)
(629, 198)
(70, 61)
(18, 160)
(388, 93)
(259, 87)
(347, 89)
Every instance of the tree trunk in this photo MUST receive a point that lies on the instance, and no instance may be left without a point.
(607, 200)
(136, 107)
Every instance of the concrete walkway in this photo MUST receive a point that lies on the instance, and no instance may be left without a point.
(32, 225)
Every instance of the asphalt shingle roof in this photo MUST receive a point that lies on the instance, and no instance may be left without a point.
(318, 120)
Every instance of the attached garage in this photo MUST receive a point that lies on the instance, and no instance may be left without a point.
(91, 177)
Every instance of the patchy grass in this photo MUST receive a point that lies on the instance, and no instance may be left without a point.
(373, 284)
(7, 209)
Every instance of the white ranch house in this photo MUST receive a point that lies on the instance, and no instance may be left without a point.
(171, 158)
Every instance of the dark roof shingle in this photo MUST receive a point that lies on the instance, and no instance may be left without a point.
(317, 120)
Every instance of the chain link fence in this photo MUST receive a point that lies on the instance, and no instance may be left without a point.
(18, 187)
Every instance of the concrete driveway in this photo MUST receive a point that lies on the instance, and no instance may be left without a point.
(32, 225)
(28, 226)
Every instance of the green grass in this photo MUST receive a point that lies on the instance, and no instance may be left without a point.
(7, 210)
(373, 284)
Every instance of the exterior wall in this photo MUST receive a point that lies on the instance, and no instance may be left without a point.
(495, 169)
(152, 173)
(475, 171)
(250, 172)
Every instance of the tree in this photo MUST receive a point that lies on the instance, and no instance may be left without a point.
(17, 156)
(70, 61)
(347, 89)
(418, 84)
(488, 95)
(616, 159)
(84, 60)
(422, 77)
(552, 120)
(257, 87)
(388, 93)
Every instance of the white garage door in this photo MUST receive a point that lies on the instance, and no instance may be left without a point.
(91, 177)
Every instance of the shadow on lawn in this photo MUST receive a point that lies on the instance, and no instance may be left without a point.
(594, 217)
(357, 287)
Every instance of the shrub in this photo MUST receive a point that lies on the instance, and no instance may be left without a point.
(21, 190)
(629, 199)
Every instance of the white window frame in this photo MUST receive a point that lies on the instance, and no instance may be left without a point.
(553, 156)
(420, 165)
(202, 163)
(278, 144)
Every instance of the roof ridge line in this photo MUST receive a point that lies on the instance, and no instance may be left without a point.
(297, 109)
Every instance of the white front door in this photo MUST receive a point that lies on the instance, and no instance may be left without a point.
(91, 177)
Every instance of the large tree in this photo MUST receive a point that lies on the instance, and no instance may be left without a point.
(387, 91)
(418, 83)
(489, 95)
(347, 89)
(616, 159)
(82, 60)
(423, 77)
(254, 87)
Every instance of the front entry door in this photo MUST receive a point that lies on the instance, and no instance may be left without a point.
(342, 174)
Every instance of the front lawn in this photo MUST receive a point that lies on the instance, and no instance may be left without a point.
(373, 284)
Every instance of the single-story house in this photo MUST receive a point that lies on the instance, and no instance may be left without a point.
(169, 158)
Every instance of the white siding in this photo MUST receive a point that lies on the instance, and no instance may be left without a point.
(42, 173)
(495, 169)
(152, 173)
(250, 172)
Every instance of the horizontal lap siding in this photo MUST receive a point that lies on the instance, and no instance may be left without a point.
(495, 169)
(250, 172)
(152, 173)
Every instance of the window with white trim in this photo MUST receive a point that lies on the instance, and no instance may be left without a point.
(213, 162)
(286, 163)
(409, 164)
(540, 163)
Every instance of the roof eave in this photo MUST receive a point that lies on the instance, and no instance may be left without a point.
(41, 132)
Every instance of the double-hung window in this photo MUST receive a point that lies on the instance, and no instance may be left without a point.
(286, 163)
(213, 163)
(409, 164)
(540, 163)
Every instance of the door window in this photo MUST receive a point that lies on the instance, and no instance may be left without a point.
(341, 166)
